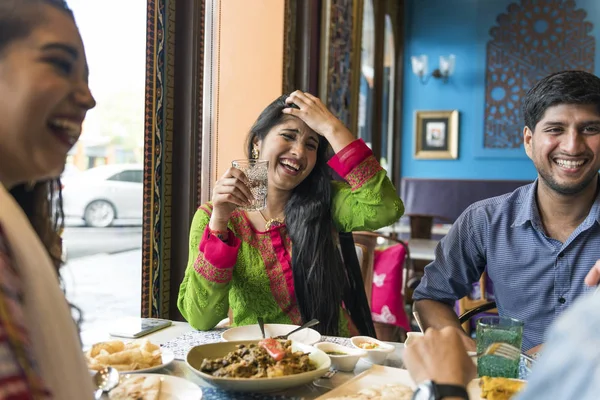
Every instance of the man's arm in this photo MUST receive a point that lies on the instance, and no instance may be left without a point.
(437, 315)
(459, 262)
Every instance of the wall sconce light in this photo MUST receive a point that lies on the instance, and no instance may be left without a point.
(446, 68)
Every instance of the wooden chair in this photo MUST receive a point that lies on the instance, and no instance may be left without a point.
(468, 307)
(367, 242)
(420, 225)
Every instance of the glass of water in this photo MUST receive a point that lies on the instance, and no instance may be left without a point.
(495, 330)
(257, 172)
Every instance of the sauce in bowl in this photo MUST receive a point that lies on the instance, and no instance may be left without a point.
(335, 353)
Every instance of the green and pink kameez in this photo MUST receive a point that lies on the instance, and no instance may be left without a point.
(251, 272)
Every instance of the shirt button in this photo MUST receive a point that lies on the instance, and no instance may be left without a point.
(562, 300)
(561, 254)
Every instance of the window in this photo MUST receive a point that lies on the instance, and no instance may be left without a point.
(135, 176)
(387, 104)
(380, 94)
(367, 69)
(103, 232)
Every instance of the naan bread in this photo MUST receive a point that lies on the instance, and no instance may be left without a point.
(136, 387)
(391, 391)
(133, 356)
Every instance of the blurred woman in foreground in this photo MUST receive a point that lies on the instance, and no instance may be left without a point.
(44, 97)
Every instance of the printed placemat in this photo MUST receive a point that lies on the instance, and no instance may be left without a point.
(181, 345)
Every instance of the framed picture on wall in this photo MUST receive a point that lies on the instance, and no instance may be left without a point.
(436, 135)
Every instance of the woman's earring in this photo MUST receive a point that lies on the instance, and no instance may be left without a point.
(255, 153)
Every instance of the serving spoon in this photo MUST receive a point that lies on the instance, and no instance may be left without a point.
(105, 380)
(309, 324)
(261, 325)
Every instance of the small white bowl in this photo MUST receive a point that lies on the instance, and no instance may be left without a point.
(345, 362)
(376, 355)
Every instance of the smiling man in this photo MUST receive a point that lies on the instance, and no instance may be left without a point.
(537, 243)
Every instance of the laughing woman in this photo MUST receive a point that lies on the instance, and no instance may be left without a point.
(283, 263)
(44, 97)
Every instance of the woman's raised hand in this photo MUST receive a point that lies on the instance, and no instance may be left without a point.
(318, 117)
(313, 112)
(230, 192)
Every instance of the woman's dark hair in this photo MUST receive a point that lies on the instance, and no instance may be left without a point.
(319, 274)
(566, 87)
(41, 201)
(19, 17)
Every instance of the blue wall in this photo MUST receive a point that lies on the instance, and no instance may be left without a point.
(460, 27)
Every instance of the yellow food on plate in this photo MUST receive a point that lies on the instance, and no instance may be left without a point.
(133, 356)
(390, 391)
(500, 388)
(136, 387)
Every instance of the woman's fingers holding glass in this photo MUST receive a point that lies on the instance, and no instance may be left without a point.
(240, 187)
(229, 194)
(233, 172)
(234, 182)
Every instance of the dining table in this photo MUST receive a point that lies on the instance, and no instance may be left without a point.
(180, 337)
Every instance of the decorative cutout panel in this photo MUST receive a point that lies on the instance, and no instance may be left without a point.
(532, 40)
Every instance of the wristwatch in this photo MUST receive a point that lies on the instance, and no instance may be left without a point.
(429, 390)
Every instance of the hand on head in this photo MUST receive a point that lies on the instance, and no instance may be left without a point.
(593, 277)
(440, 355)
(313, 112)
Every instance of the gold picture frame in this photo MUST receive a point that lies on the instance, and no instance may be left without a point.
(436, 135)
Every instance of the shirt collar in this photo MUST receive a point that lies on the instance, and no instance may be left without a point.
(529, 210)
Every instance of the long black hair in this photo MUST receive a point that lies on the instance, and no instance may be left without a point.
(318, 269)
(41, 201)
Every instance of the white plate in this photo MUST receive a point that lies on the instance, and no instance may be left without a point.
(252, 332)
(215, 350)
(377, 375)
(167, 358)
(175, 388)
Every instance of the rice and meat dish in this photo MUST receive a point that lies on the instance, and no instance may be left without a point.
(270, 358)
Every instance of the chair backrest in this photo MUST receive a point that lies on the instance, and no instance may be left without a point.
(369, 242)
(468, 303)
(365, 250)
(420, 226)
(355, 298)
(366, 244)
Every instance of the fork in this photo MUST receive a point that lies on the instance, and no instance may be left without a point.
(505, 350)
(309, 324)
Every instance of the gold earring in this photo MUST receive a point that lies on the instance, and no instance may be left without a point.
(255, 153)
